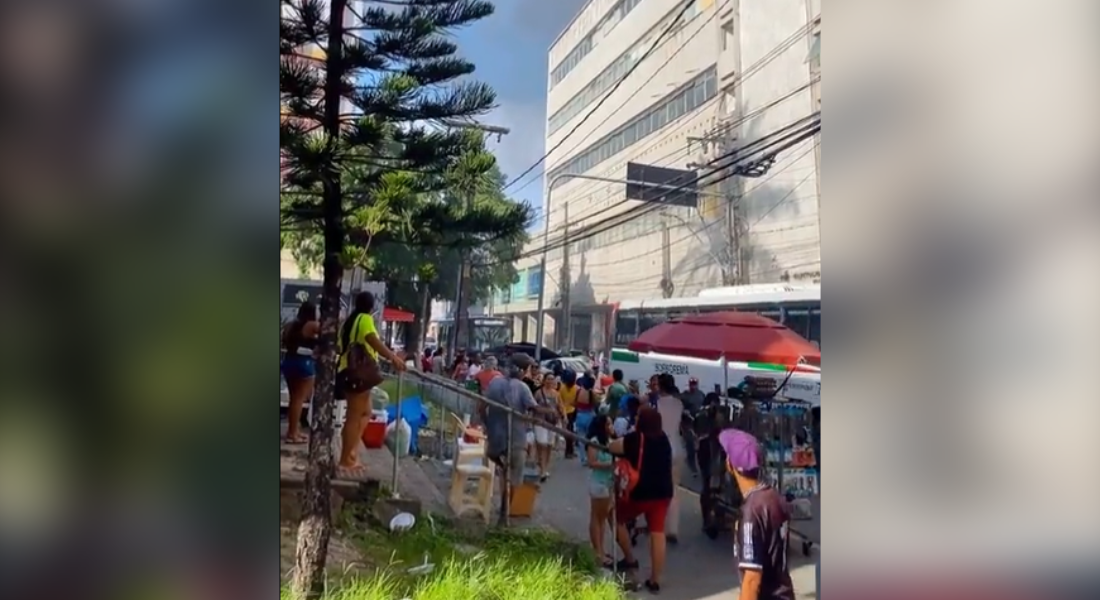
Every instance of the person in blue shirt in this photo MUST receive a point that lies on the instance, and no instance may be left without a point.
(628, 415)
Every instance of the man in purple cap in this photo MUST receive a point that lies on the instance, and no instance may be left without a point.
(760, 546)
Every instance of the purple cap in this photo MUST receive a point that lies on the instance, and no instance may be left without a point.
(742, 450)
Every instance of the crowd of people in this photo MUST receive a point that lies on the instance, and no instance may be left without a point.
(617, 428)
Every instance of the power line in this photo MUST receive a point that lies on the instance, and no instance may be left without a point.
(788, 136)
(610, 92)
(707, 227)
(622, 218)
(595, 187)
(656, 44)
(685, 183)
(756, 67)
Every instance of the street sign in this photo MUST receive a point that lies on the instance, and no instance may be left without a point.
(648, 183)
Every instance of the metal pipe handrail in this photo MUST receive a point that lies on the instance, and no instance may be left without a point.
(528, 418)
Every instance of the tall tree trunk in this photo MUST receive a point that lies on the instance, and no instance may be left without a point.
(415, 331)
(315, 528)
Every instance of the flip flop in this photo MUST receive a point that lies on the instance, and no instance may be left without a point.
(296, 441)
(353, 472)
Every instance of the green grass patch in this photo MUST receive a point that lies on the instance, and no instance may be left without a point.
(471, 563)
(483, 578)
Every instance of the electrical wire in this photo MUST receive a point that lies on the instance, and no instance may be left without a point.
(637, 90)
(656, 44)
(700, 182)
(756, 67)
(709, 226)
(789, 136)
(594, 187)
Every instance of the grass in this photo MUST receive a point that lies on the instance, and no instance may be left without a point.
(485, 579)
(493, 565)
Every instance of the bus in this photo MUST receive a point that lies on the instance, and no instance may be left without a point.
(483, 333)
(796, 306)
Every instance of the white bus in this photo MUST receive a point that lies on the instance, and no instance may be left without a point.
(798, 306)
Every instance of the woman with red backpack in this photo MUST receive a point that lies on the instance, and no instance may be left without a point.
(645, 488)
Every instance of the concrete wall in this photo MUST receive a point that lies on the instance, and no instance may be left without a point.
(782, 213)
(628, 262)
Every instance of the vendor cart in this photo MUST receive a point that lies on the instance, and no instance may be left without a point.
(787, 432)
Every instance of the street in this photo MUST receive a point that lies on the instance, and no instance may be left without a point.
(698, 568)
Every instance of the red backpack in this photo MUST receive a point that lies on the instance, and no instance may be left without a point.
(626, 476)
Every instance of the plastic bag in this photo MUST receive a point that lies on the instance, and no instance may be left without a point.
(379, 399)
(399, 438)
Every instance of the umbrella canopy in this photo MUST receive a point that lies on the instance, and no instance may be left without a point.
(737, 336)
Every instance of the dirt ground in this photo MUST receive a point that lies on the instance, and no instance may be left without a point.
(344, 559)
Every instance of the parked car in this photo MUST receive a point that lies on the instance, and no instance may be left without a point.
(577, 364)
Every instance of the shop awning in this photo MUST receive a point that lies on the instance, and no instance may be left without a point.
(396, 315)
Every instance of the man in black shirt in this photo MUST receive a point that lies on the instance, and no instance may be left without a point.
(760, 546)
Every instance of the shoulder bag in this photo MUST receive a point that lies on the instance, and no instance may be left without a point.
(363, 371)
(626, 475)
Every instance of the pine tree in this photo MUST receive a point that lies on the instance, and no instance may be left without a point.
(364, 86)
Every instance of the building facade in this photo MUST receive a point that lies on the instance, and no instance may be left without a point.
(702, 78)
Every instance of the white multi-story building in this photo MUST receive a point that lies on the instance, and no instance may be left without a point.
(728, 72)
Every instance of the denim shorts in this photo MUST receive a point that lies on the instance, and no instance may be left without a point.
(598, 490)
(298, 367)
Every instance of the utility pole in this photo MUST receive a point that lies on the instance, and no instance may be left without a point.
(550, 185)
(541, 309)
(712, 145)
(566, 285)
(666, 260)
(461, 326)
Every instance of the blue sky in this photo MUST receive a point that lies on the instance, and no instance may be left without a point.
(510, 51)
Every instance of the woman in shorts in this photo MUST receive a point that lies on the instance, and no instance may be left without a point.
(600, 483)
(546, 396)
(649, 450)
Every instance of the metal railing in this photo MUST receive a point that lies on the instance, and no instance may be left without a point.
(450, 396)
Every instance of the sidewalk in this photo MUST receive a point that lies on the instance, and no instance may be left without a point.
(412, 481)
(697, 568)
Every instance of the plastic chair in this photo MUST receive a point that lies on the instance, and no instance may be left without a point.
(466, 452)
(480, 500)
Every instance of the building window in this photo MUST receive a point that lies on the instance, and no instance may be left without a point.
(814, 57)
(729, 100)
(727, 35)
(534, 282)
(607, 79)
(602, 28)
(683, 101)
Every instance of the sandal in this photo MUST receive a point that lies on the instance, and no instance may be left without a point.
(297, 440)
(652, 586)
(625, 565)
(351, 472)
(608, 562)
